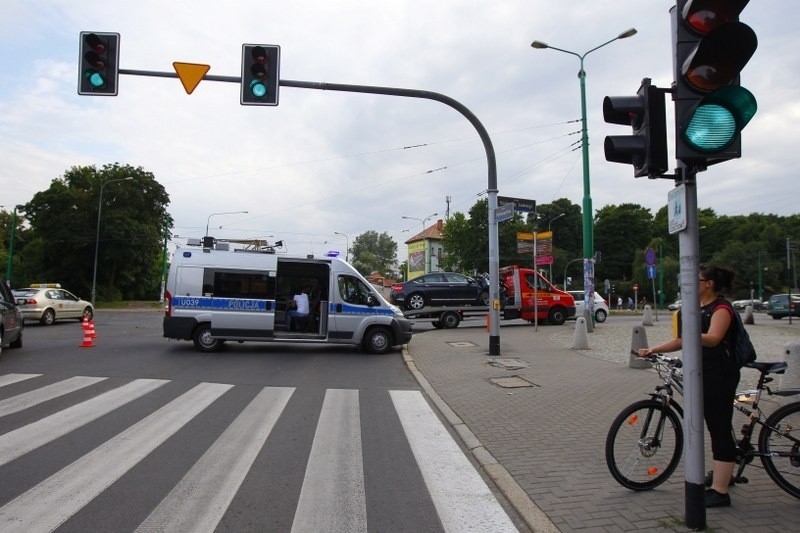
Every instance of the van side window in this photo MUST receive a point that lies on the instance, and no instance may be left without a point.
(238, 284)
(353, 290)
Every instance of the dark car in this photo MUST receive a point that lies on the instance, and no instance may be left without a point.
(11, 322)
(439, 288)
(781, 305)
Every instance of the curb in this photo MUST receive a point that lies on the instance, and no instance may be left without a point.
(528, 511)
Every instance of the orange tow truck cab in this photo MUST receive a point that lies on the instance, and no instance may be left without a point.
(530, 296)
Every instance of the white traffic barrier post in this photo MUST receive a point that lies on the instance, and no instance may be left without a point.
(647, 316)
(638, 340)
(580, 341)
(791, 378)
(748, 315)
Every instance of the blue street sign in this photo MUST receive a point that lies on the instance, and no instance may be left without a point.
(651, 272)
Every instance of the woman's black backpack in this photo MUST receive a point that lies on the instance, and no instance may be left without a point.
(739, 346)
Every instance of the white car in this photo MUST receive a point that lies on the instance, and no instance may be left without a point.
(600, 306)
(48, 302)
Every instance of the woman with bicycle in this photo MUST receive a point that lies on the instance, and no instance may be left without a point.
(720, 377)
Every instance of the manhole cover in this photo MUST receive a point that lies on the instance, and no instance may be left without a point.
(508, 363)
(511, 382)
(462, 344)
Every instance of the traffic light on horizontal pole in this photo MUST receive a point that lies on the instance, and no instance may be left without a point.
(711, 108)
(645, 113)
(260, 74)
(98, 64)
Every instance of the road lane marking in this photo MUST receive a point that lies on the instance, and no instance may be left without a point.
(200, 499)
(461, 497)
(8, 379)
(46, 393)
(54, 500)
(333, 495)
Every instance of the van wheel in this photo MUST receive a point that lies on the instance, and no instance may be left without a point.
(600, 315)
(484, 299)
(203, 341)
(437, 324)
(378, 340)
(557, 316)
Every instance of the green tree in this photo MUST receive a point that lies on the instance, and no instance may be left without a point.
(132, 225)
(621, 234)
(373, 252)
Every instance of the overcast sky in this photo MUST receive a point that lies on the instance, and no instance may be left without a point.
(325, 161)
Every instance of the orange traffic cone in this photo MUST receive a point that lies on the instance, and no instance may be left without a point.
(91, 332)
(87, 340)
(85, 324)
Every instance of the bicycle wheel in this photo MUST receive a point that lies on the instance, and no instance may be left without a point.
(644, 445)
(782, 447)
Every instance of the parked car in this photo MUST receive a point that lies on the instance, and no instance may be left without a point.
(600, 306)
(48, 302)
(781, 305)
(439, 288)
(741, 304)
(11, 321)
(674, 306)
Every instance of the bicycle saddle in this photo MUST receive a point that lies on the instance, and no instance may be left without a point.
(778, 367)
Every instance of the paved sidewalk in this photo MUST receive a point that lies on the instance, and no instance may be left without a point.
(543, 444)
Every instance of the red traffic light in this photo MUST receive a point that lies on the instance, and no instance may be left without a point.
(704, 15)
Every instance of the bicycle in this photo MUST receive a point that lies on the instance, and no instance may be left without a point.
(645, 441)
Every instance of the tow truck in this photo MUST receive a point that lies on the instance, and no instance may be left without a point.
(524, 293)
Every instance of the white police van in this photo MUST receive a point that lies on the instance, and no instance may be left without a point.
(215, 293)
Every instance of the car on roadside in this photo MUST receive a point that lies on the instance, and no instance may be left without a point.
(11, 321)
(48, 302)
(742, 304)
(439, 289)
(781, 305)
(600, 306)
(674, 306)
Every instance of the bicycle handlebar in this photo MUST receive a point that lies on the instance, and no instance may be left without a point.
(660, 358)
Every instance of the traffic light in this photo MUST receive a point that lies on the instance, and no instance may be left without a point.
(98, 70)
(711, 108)
(260, 68)
(646, 113)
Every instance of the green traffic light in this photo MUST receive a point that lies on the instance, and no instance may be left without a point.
(258, 88)
(719, 118)
(95, 79)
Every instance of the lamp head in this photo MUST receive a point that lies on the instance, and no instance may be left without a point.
(539, 44)
(630, 32)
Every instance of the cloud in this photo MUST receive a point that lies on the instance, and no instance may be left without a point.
(325, 161)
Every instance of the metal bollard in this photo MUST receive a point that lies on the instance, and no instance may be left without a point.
(791, 378)
(638, 340)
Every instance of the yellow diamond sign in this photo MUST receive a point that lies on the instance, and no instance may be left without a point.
(190, 74)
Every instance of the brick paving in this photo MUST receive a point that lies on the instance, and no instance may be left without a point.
(549, 437)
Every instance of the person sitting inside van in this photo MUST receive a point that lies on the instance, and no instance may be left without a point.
(298, 307)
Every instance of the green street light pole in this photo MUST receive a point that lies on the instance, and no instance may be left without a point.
(9, 268)
(588, 228)
(97, 236)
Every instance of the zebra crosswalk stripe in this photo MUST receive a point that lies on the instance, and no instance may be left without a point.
(51, 502)
(461, 497)
(21, 441)
(333, 495)
(200, 499)
(29, 399)
(8, 379)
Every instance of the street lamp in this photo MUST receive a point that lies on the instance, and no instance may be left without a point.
(9, 266)
(588, 232)
(347, 250)
(549, 230)
(225, 213)
(97, 235)
(426, 258)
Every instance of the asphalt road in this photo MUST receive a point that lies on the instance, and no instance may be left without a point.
(139, 431)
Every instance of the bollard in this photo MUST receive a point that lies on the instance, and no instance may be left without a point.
(791, 378)
(587, 318)
(638, 340)
(748, 315)
(647, 316)
(580, 341)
